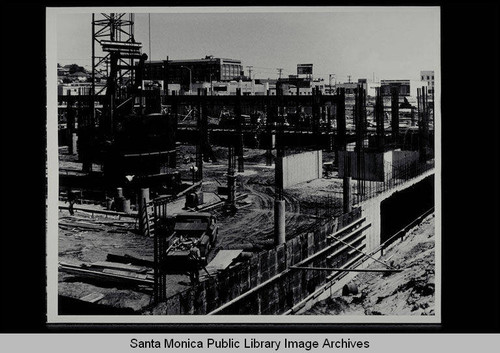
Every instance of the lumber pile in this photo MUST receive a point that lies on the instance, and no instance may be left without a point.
(111, 271)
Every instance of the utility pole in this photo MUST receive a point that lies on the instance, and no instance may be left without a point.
(250, 72)
(280, 69)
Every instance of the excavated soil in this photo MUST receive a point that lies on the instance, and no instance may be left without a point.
(410, 292)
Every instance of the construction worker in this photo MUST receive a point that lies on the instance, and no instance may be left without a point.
(194, 260)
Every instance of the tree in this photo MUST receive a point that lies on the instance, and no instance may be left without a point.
(75, 68)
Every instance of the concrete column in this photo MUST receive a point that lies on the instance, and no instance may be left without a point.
(241, 163)
(143, 200)
(119, 200)
(144, 194)
(125, 205)
(73, 143)
(347, 194)
(279, 222)
(269, 152)
(231, 200)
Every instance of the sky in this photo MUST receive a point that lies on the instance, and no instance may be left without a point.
(380, 43)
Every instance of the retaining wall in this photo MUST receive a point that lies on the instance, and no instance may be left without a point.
(266, 295)
(372, 211)
(301, 167)
(377, 165)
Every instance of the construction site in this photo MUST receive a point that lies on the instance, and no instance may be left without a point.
(273, 204)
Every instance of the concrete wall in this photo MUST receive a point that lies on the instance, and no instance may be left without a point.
(398, 158)
(377, 164)
(372, 211)
(301, 167)
(373, 161)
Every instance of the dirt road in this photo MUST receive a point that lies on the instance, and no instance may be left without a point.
(251, 227)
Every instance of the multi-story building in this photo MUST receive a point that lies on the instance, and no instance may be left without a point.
(188, 72)
(428, 76)
(349, 87)
(229, 88)
(406, 88)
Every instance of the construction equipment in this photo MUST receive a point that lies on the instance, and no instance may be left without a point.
(190, 229)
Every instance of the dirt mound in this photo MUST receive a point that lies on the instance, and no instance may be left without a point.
(410, 292)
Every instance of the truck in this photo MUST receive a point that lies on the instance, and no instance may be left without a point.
(189, 228)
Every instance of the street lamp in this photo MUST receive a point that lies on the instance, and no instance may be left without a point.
(190, 77)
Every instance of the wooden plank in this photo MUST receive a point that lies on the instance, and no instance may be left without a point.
(344, 247)
(119, 266)
(80, 225)
(105, 212)
(124, 273)
(128, 259)
(223, 259)
(106, 276)
(92, 297)
(358, 249)
(355, 223)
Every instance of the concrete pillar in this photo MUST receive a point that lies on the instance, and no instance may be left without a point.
(143, 201)
(122, 205)
(269, 152)
(119, 200)
(231, 196)
(73, 143)
(279, 222)
(144, 194)
(347, 194)
(241, 163)
(125, 205)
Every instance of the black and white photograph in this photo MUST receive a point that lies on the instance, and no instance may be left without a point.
(244, 164)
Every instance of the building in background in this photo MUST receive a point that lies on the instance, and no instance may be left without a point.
(370, 87)
(349, 87)
(305, 70)
(406, 88)
(189, 72)
(229, 88)
(428, 76)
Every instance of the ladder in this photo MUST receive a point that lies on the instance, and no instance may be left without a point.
(146, 222)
